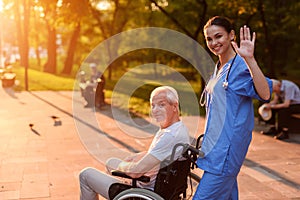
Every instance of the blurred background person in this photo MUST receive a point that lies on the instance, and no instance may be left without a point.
(93, 89)
(286, 101)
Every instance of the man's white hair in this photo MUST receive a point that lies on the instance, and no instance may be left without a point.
(275, 82)
(171, 93)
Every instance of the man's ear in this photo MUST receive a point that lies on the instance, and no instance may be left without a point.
(175, 106)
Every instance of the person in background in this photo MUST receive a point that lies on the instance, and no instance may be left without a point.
(165, 110)
(99, 94)
(229, 109)
(93, 89)
(286, 101)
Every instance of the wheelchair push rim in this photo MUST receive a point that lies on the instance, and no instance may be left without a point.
(138, 193)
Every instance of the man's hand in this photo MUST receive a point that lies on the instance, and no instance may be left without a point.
(267, 106)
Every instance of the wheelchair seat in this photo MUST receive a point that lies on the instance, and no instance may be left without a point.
(171, 180)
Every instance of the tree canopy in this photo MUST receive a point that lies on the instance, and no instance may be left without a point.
(69, 29)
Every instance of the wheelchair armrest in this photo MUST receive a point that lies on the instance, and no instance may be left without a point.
(144, 179)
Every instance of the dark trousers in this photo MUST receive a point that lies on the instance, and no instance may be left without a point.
(99, 96)
(88, 94)
(284, 116)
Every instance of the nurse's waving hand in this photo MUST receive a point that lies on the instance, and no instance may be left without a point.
(246, 50)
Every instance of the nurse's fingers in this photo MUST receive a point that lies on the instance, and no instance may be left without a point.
(245, 33)
(242, 33)
(253, 37)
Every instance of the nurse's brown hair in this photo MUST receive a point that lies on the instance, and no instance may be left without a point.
(220, 21)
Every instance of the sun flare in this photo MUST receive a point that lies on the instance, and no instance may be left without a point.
(103, 5)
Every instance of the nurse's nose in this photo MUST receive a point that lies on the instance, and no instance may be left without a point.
(213, 42)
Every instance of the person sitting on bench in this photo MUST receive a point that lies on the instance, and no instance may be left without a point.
(286, 102)
(93, 89)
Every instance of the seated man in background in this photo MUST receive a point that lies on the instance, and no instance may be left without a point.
(286, 102)
(93, 89)
(165, 110)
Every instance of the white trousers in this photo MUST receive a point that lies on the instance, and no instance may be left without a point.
(94, 182)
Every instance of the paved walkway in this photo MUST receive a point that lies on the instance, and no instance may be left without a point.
(43, 162)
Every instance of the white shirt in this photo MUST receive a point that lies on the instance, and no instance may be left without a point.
(162, 146)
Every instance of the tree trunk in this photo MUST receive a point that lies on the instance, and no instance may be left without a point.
(71, 50)
(50, 65)
(37, 40)
(22, 35)
(268, 61)
(25, 38)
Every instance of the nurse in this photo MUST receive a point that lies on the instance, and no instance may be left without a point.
(229, 110)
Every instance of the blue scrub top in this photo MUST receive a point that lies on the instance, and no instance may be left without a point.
(229, 119)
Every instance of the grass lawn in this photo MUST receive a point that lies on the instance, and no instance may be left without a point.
(38, 81)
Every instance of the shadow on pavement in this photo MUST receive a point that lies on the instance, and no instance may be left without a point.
(265, 170)
(130, 148)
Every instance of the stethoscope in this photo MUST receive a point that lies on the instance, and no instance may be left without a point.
(225, 82)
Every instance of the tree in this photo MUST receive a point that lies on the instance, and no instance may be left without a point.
(280, 43)
(22, 14)
(50, 17)
(194, 11)
(72, 14)
(114, 20)
(71, 50)
(277, 39)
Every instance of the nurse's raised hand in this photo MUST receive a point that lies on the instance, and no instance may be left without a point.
(246, 49)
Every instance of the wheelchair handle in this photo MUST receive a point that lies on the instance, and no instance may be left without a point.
(187, 148)
(195, 151)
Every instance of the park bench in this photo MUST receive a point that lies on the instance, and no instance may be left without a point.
(8, 79)
(295, 123)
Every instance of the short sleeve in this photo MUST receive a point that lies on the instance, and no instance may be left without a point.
(163, 147)
(242, 82)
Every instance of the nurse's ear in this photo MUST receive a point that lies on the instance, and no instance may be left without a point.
(232, 36)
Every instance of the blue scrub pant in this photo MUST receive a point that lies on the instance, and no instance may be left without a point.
(217, 187)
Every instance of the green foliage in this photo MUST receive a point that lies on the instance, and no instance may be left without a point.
(132, 89)
(275, 22)
(38, 80)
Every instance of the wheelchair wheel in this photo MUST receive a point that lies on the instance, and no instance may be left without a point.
(138, 194)
(193, 183)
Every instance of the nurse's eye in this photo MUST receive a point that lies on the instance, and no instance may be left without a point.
(218, 36)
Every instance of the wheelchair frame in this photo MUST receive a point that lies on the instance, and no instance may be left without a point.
(189, 152)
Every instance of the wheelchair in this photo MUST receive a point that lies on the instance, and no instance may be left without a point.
(175, 180)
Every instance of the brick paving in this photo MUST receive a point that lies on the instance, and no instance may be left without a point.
(43, 162)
